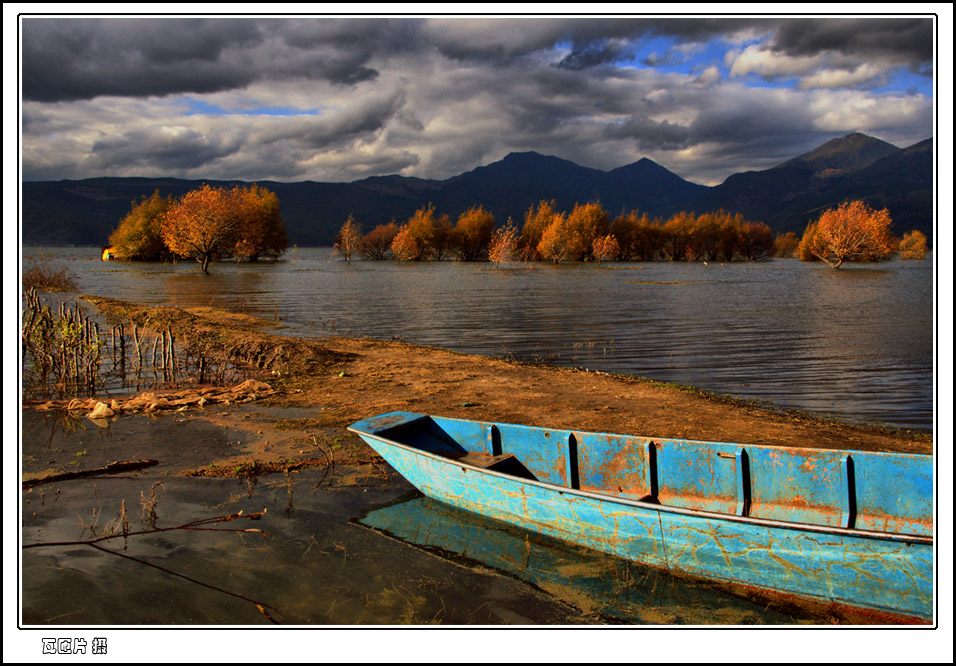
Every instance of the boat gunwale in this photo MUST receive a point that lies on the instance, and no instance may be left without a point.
(654, 506)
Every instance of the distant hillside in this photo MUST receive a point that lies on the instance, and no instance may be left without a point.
(786, 197)
(855, 166)
(86, 211)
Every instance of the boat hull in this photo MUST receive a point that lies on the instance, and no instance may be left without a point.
(884, 572)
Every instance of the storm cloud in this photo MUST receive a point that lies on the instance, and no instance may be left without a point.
(343, 98)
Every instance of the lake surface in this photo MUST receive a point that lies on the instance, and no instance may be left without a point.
(856, 343)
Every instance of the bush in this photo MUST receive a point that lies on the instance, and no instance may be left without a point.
(913, 246)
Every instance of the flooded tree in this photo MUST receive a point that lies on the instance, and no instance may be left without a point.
(139, 235)
(851, 232)
(377, 244)
(349, 239)
(262, 230)
(536, 220)
(504, 243)
(586, 223)
(605, 248)
(785, 245)
(913, 245)
(405, 247)
(473, 233)
(214, 223)
(556, 240)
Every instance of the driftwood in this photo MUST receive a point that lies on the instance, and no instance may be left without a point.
(247, 391)
(112, 468)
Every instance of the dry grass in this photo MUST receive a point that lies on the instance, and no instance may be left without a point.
(46, 278)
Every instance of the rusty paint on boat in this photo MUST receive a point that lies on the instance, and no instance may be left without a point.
(848, 527)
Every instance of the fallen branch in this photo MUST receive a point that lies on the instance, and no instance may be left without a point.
(112, 468)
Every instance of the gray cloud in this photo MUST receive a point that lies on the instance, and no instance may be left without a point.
(163, 148)
(907, 41)
(436, 97)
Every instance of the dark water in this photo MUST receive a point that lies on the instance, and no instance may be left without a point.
(856, 342)
(367, 551)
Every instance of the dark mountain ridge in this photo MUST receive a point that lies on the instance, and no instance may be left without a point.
(84, 212)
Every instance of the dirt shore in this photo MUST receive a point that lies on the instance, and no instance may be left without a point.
(332, 382)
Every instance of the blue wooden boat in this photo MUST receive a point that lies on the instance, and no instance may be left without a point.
(849, 528)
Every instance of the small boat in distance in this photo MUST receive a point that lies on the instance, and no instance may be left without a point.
(849, 528)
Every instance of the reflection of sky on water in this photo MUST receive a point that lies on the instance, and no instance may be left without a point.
(856, 342)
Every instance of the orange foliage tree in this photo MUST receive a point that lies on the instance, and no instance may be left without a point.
(605, 248)
(536, 220)
(913, 245)
(202, 224)
(213, 223)
(638, 237)
(785, 245)
(262, 232)
(349, 239)
(138, 236)
(851, 232)
(377, 243)
(587, 223)
(504, 243)
(556, 240)
(472, 234)
(755, 241)
(405, 247)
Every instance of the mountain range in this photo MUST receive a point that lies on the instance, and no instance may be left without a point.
(786, 197)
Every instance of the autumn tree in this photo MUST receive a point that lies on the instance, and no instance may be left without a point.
(442, 240)
(851, 232)
(556, 240)
(586, 223)
(638, 236)
(405, 247)
(473, 233)
(605, 248)
(675, 234)
(756, 241)
(421, 228)
(377, 244)
(214, 223)
(262, 232)
(139, 235)
(203, 224)
(504, 243)
(785, 245)
(536, 219)
(913, 245)
(349, 238)
(729, 233)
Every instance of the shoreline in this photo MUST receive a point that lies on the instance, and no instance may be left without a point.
(352, 378)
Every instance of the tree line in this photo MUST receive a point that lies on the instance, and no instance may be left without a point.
(585, 233)
(850, 232)
(244, 222)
